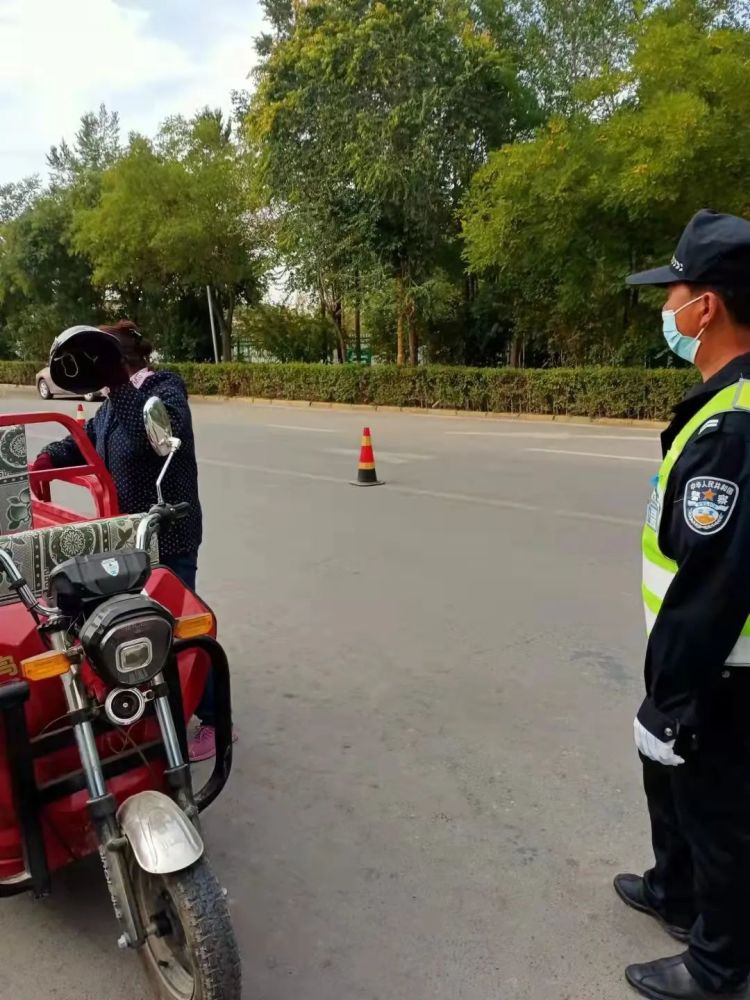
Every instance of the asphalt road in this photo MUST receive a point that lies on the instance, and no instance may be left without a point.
(434, 684)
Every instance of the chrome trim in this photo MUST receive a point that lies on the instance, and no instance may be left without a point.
(167, 726)
(84, 733)
(145, 531)
(174, 444)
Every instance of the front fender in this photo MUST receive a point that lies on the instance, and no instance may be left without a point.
(161, 836)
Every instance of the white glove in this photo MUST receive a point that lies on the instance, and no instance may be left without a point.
(653, 748)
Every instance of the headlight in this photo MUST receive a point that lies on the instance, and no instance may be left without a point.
(128, 638)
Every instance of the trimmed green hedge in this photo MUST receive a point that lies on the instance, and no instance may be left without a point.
(630, 393)
(19, 372)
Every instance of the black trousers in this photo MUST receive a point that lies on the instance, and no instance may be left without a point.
(700, 828)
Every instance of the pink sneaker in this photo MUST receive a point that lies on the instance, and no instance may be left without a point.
(203, 744)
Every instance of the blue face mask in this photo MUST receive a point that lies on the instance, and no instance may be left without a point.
(684, 347)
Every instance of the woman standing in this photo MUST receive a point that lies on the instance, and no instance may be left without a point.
(118, 434)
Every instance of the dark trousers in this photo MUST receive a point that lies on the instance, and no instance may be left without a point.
(700, 828)
(185, 566)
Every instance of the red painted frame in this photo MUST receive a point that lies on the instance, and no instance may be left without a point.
(92, 475)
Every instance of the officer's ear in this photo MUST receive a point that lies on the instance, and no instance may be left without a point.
(710, 308)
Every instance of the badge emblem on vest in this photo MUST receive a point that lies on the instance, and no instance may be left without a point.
(709, 503)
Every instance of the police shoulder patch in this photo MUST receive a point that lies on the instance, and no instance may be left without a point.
(711, 425)
(709, 503)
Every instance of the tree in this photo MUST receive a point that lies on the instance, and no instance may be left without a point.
(561, 220)
(173, 216)
(286, 334)
(45, 285)
(567, 43)
(217, 238)
(369, 119)
(18, 196)
(95, 148)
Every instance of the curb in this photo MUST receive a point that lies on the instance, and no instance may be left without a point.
(308, 404)
(421, 411)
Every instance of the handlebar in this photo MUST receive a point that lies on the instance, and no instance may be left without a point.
(23, 590)
(159, 516)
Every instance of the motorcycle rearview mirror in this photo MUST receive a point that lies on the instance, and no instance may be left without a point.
(159, 432)
(158, 427)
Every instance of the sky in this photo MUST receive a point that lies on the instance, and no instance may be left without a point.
(146, 59)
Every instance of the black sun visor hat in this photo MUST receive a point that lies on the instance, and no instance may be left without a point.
(714, 249)
(81, 358)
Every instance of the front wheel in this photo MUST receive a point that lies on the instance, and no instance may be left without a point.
(193, 955)
(43, 389)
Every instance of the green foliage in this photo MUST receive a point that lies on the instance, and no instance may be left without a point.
(96, 146)
(627, 393)
(569, 43)
(44, 284)
(174, 215)
(471, 178)
(17, 197)
(615, 393)
(561, 220)
(369, 120)
(283, 334)
(18, 372)
(137, 231)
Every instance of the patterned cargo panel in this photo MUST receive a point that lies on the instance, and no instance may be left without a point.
(15, 495)
(36, 553)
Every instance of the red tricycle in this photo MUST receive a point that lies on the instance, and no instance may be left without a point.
(103, 658)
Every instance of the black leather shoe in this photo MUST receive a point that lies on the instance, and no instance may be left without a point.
(669, 979)
(632, 890)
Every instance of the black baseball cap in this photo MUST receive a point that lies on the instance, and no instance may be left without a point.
(714, 249)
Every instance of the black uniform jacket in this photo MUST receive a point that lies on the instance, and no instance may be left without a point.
(708, 601)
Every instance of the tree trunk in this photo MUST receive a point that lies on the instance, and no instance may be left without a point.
(467, 317)
(357, 320)
(631, 296)
(225, 324)
(357, 334)
(413, 335)
(322, 293)
(131, 296)
(401, 306)
(515, 352)
(338, 319)
(230, 326)
(413, 345)
(226, 341)
(400, 358)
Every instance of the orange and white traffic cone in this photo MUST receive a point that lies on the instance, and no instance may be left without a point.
(366, 474)
(80, 415)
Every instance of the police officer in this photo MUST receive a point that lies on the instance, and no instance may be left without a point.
(693, 728)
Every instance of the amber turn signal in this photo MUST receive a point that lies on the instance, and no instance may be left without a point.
(44, 665)
(192, 626)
